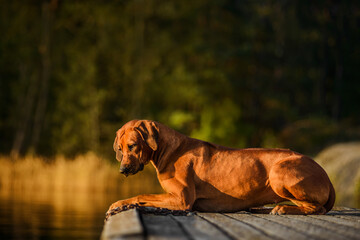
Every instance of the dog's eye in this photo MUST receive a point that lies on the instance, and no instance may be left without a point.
(131, 147)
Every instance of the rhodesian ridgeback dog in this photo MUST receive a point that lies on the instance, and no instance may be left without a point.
(201, 176)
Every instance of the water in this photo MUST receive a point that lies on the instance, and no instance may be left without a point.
(64, 199)
(53, 216)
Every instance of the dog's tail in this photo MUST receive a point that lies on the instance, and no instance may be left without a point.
(330, 202)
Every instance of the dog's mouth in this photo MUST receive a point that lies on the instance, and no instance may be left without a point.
(132, 172)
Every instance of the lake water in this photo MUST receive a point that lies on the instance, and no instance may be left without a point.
(53, 216)
(63, 198)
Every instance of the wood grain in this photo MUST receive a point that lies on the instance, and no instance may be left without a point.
(340, 224)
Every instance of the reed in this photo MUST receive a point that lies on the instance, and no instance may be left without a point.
(84, 173)
(64, 196)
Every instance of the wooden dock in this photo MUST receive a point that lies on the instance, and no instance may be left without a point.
(339, 224)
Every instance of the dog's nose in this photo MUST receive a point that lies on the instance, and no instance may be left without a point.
(124, 169)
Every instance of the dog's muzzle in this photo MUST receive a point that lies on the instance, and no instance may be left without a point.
(126, 169)
(141, 167)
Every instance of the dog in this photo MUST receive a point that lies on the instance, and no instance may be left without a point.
(201, 176)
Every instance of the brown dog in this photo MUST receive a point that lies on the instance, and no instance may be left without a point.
(202, 176)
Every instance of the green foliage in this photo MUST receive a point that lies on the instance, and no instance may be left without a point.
(242, 74)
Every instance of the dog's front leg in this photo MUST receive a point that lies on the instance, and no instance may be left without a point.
(167, 200)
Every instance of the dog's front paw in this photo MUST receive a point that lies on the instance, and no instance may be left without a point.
(278, 210)
(119, 206)
(111, 212)
(114, 208)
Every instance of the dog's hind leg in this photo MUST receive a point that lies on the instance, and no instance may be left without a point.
(302, 208)
(301, 181)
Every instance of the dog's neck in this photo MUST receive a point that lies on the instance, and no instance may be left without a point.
(167, 137)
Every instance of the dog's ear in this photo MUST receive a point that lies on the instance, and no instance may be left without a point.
(118, 136)
(115, 146)
(149, 132)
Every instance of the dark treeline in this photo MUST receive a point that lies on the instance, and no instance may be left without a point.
(238, 73)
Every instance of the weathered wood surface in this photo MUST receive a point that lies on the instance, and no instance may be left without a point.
(339, 224)
(127, 225)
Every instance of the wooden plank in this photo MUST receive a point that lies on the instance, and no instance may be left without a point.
(199, 228)
(271, 228)
(351, 215)
(234, 228)
(334, 220)
(162, 227)
(345, 210)
(312, 230)
(339, 224)
(332, 226)
(352, 219)
(126, 225)
(352, 211)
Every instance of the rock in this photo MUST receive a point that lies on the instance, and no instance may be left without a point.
(342, 163)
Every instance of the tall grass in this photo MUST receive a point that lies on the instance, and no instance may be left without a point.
(82, 174)
(48, 197)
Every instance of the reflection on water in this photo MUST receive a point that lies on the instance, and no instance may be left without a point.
(65, 199)
(54, 216)
(79, 216)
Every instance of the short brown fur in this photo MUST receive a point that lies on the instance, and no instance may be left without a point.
(202, 176)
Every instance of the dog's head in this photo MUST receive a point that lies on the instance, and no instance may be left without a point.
(134, 144)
